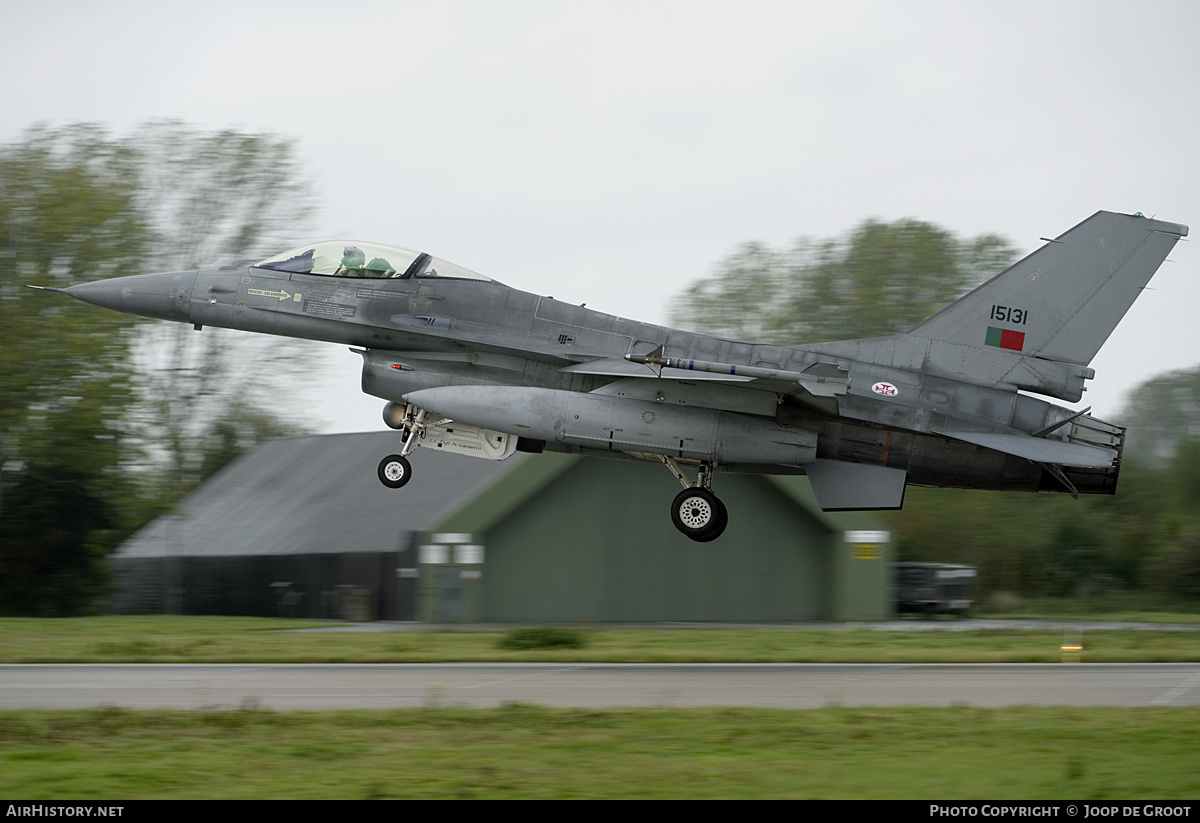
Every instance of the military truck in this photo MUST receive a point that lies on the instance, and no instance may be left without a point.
(931, 589)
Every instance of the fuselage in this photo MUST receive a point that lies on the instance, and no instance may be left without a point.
(425, 333)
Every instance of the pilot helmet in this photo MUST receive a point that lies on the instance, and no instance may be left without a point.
(353, 257)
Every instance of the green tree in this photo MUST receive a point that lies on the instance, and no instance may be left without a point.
(106, 419)
(68, 213)
(1178, 569)
(1160, 412)
(882, 278)
(1185, 473)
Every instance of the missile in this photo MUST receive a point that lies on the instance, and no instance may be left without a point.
(819, 385)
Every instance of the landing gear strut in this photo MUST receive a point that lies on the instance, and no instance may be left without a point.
(696, 511)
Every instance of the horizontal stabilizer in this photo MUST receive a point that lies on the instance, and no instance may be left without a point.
(841, 486)
(1039, 449)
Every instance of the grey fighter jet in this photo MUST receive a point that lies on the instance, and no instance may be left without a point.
(472, 366)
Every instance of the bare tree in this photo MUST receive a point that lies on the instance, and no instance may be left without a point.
(212, 199)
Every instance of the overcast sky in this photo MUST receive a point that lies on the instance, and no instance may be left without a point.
(612, 152)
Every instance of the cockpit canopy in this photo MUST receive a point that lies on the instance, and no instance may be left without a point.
(353, 258)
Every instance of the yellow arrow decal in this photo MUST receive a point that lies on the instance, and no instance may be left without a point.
(280, 295)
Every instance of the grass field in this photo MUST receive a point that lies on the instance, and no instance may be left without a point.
(167, 639)
(522, 751)
(519, 751)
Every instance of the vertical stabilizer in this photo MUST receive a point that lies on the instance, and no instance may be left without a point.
(1064, 300)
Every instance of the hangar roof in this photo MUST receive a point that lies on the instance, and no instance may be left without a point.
(318, 494)
(315, 494)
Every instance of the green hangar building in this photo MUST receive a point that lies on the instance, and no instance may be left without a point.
(302, 527)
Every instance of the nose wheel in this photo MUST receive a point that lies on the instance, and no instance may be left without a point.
(696, 511)
(394, 471)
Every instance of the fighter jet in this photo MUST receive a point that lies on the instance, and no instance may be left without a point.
(472, 366)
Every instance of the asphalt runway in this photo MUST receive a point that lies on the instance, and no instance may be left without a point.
(783, 685)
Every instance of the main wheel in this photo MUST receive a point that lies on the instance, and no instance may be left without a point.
(698, 514)
(394, 471)
(719, 526)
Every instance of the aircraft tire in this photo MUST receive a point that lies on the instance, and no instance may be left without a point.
(718, 528)
(699, 514)
(394, 471)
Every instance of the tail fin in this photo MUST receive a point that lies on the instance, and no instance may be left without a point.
(1064, 300)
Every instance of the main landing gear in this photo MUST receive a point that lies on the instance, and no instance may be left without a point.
(696, 511)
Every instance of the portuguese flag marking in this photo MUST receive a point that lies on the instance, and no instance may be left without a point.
(1005, 338)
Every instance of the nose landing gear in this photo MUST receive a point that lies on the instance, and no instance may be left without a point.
(395, 470)
(696, 511)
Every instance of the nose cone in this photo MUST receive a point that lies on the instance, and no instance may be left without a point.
(163, 296)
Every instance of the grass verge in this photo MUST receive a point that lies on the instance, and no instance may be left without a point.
(522, 751)
(168, 639)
